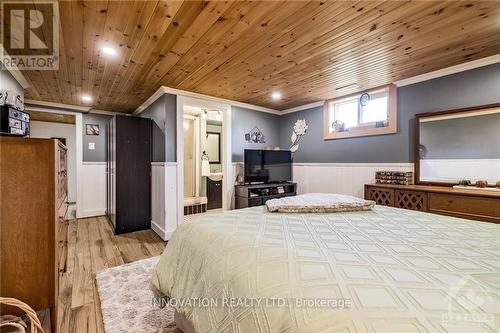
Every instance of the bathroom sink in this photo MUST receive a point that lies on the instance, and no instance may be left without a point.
(216, 176)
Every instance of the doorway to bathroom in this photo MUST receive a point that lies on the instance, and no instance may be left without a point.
(203, 174)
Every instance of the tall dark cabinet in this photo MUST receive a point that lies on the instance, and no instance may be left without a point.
(128, 201)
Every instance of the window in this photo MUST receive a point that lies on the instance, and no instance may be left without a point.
(347, 117)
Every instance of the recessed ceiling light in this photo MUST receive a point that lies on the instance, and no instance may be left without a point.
(87, 98)
(109, 51)
(276, 95)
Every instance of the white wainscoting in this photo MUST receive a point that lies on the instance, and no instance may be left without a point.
(164, 198)
(343, 178)
(93, 194)
(448, 170)
(158, 198)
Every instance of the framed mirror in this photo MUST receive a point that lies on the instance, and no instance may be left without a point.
(458, 145)
(213, 147)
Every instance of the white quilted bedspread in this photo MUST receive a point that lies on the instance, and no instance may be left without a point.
(385, 270)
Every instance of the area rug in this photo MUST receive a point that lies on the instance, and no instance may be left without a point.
(127, 301)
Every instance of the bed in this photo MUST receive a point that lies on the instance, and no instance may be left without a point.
(384, 270)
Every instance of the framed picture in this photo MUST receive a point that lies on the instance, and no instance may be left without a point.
(92, 129)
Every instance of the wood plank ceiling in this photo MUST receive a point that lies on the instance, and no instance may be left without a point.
(245, 50)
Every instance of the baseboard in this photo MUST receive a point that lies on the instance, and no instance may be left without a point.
(92, 212)
(168, 235)
(159, 230)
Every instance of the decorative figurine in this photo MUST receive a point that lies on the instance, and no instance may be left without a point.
(338, 126)
(481, 183)
(464, 182)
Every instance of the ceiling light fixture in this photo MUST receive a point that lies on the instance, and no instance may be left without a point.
(276, 96)
(87, 98)
(109, 51)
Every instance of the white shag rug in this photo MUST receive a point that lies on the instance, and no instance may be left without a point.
(127, 301)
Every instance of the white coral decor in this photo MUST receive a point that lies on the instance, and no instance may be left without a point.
(299, 129)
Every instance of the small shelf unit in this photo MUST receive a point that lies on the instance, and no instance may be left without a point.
(257, 194)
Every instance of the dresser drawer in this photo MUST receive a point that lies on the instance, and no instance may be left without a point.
(474, 207)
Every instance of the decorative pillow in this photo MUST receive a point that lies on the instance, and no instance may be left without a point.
(319, 203)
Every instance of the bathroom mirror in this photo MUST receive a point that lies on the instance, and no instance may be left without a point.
(213, 147)
(458, 145)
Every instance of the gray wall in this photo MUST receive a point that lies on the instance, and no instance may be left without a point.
(99, 154)
(163, 114)
(156, 112)
(449, 139)
(171, 127)
(471, 88)
(243, 120)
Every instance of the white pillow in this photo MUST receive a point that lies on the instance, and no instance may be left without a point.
(319, 203)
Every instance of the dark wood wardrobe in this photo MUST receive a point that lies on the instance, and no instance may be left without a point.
(128, 201)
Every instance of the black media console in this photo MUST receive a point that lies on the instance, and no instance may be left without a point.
(258, 194)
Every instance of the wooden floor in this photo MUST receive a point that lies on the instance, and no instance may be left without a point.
(92, 247)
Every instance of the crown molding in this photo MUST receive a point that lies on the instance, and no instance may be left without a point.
(303, 107)
(66, 108)
(108, 113)
(30, 108)
(420, 78)
(157, 94)
(77, 108)
(167, 90)
(450, 70)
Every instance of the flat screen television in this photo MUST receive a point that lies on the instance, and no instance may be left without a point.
(268, 166)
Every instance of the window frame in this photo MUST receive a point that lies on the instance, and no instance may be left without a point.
(363, 129)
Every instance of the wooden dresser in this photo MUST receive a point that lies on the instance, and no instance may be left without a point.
(33, 197)
(470, 204)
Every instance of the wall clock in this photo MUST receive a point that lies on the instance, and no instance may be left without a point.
(364, 99)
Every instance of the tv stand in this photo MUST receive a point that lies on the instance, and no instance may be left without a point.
(257, 194)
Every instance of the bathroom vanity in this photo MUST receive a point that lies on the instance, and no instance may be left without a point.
(214, 193)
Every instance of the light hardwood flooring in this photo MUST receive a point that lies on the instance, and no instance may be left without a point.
(91, 247)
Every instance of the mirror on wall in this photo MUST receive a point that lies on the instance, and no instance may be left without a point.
(213, 147)
(459, 145)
